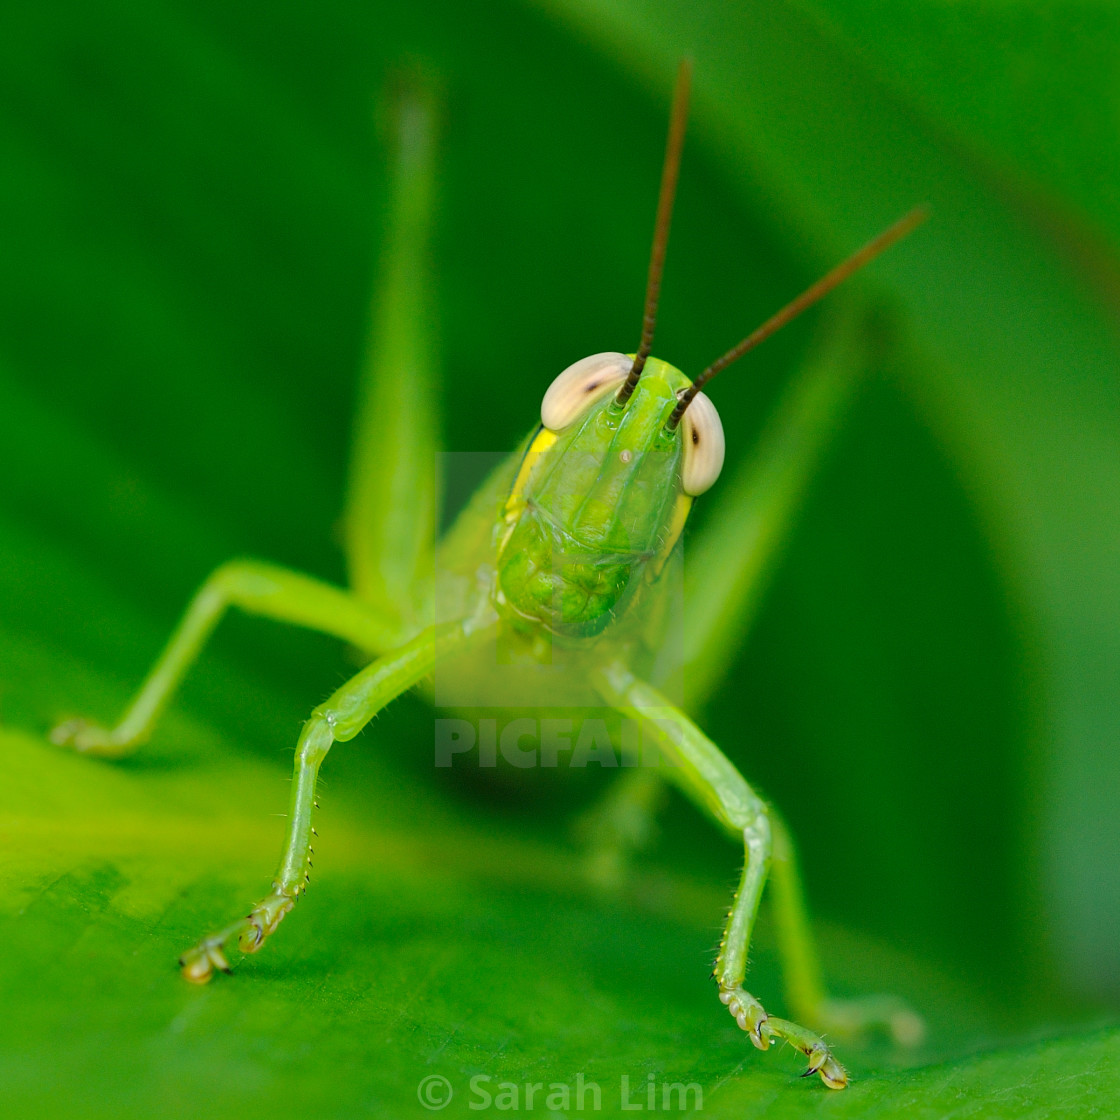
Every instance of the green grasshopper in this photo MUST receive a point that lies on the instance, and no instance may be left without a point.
(559, 557)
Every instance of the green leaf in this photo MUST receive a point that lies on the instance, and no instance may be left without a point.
(191, 204)
(456, 949)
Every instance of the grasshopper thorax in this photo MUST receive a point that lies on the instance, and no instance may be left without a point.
(602, 494)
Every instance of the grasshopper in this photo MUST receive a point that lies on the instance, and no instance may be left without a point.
(561, 554)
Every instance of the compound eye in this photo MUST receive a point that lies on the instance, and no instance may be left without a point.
(703, 445)
(580, 386)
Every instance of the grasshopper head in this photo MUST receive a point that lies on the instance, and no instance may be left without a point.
(603, 493)
(626, 442)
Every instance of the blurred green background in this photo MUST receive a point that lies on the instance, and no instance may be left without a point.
(190, 204)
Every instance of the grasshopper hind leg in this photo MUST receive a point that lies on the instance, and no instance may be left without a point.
(805, 991)
(622, 823)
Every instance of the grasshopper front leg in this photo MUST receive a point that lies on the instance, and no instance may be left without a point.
(256, 588)
(705, 774)
(337, 720)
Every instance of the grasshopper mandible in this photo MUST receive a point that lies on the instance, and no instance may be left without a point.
(562, 546)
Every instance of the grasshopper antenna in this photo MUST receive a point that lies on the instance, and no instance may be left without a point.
(669, 173)
(807, 298)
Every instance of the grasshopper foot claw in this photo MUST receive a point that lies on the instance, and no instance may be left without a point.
(763, 1029)
(249, 934)
(831, 1072)
(821, 1059)
(888, 1014)
(198, 964)
(86, 737)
